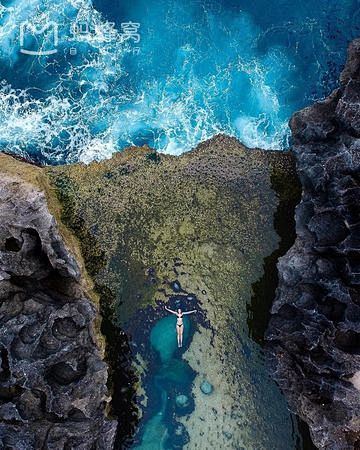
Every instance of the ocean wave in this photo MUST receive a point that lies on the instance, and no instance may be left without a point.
(202, 68)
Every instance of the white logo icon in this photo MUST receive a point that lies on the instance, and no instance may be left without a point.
(49, 30)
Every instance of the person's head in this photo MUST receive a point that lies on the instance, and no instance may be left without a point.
(179, 311)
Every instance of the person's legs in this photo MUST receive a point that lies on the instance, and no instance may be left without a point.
(181, 335)
(178, 331)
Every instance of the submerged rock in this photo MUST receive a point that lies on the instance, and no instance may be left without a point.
(53, 378)
(314, 334)
(180, 437)
(182, 400)
(206, 387)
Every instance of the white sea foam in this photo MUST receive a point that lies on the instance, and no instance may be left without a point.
(220, 77)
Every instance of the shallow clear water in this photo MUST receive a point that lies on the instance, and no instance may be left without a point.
(170, 380)
(173, 416)
(200, 67)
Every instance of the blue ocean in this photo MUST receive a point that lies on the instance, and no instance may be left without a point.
(82, 79)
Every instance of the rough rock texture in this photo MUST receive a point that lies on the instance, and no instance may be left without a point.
(203, 221)
(314, 333)
(52, 377)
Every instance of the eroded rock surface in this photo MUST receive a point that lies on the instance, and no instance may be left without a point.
(52, 377)
(314, 333)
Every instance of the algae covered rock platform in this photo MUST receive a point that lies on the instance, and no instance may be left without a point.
(191, 232)
(201, 231)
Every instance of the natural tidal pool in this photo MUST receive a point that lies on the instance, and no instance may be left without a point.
(165, 73)
(169, 388)
(188, 398)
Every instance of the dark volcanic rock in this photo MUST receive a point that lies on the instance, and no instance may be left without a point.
(52, 376)
(314, 334)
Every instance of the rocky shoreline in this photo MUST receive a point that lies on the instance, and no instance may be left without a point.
(314, 334)
(113, 238)
(143, 224)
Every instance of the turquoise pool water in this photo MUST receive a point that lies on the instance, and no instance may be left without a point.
(164, 73)
(168, 388)
(187, 392)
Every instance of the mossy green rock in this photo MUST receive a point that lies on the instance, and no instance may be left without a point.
(206, 220)
(208, 212)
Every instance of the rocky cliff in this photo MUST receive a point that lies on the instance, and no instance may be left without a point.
(53, 378)
(314, 334)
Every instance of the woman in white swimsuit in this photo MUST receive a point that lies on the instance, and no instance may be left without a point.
(179, 323)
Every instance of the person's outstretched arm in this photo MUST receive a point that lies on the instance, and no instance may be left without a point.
(190, 312)
(170, 310)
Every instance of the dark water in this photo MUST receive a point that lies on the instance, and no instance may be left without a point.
(199, 67)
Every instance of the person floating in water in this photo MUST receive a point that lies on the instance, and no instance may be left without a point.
(179, 323)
